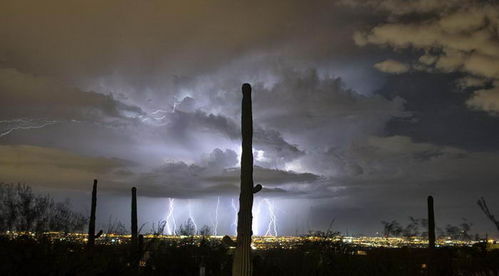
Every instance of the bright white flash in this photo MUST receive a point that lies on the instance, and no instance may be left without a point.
(159, 114)
(171, 225)
(155, 118)
(215, 228)
(191, 217)
(234, 207)
(8, 126)
(272, 226)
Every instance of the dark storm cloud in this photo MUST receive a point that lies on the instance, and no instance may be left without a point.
(54, 168)
(311, 109)
(181, 180)
(439, 112)
(24, 95)
(215, 175)
(268, 176)
(182, 124)
(147, 94)
(141, 39)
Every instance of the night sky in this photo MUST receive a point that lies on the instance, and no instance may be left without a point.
(362, 108)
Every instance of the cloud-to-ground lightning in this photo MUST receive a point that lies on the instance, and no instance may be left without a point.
(191, 217)
(272, 226)
(171, 225)
(215, 228)
(8, 126)
(234, 223)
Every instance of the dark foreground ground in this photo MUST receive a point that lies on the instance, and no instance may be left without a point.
(27, 256)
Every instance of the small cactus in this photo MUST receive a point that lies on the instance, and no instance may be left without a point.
(134, 216)
(431, 223)
(91, 224)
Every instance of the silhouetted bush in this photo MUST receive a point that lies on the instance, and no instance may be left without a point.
(23, 210)
(28, 256)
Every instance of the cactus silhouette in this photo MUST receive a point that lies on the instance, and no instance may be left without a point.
(134, 216)
(91, 224)
(242, 265)
(431, 223)
(141, 243)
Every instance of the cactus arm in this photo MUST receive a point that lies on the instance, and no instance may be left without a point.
(257, 188)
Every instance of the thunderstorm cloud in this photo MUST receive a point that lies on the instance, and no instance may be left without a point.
(361, 108)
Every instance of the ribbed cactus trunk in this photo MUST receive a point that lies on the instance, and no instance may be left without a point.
(134, 216)
(242, 265)
(431, 223)
(91, 224)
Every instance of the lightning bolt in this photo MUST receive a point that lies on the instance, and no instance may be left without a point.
(189, 209)
(215, 228)
(272, 227)
(234, 207)
(171, 225)
(158, 111)
(8, 126)
(159, 114)
(174, 104)
(156, 117)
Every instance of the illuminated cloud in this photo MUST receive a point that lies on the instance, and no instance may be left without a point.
(56, 168)
(456, 36)
(391, 66)
(148, 94)
(34, 97)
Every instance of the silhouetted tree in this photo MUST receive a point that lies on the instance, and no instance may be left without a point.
(158, 229)
(412, 229)
(465, 230)
(23, 210)
(485, 209)
(9, 210)
(424, 225)
(323, 234)
(391, 228)
(115, 226)
(452, 231)
(187, 229)
(43, 207)
(65, 220)
(205, 231)
(26, 207)
(459, 232)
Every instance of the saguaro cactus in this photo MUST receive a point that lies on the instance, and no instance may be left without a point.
(134, 216)
(91, 224)
(431, 223)
(242, 265)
